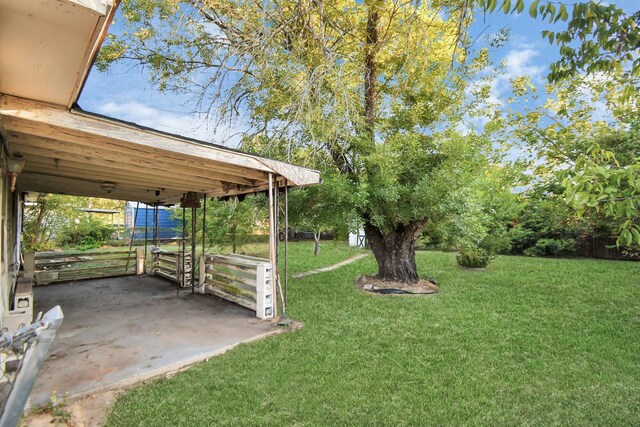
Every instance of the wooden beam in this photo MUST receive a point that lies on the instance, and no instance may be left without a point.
(93, 155)
(45, 184)
(43, 120)
(107, 177)
(154, 179)
(132, 150)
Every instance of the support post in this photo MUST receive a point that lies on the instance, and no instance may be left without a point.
(29, 265)
(133, 234)
(193, 247)
(140, 257)
(272, 246)
(203, 273)
(184, 240)
(204, 222)
(146, 228)
(286, 240)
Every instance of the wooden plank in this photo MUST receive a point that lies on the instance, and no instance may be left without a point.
(165, 259)
(71, 265)
(232, 289)
(160, 267)
(249, 273)
(98, 276)
(93, 155)
(249, 258)
(43, 120)
(44, 277)
(136, 154)
(222, 259)
(230, 297)
(236, 278)
(232, 282)
(165, 275)
(145, 182)
(80, 258)
(41, 184)
(297, 175)
(109, 267)
(46, 255)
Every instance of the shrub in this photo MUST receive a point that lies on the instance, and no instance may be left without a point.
(474, 258)
(552, 247)
(86, 234)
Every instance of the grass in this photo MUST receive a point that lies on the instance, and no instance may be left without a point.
(529, 342)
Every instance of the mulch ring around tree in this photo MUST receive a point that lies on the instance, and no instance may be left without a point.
(376, 285)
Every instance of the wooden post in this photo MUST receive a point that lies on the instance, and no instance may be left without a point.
(203, 273)
(29, 265)
(272, 246)
(140, 261)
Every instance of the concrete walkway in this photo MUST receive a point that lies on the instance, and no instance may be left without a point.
(330, 268)
(120, 331)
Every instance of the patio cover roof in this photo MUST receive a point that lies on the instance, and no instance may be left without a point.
(46, 50)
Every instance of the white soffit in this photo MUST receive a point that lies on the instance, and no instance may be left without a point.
(47, 46)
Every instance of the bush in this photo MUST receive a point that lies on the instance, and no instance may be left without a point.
(86, 234)
(474, 258)
(552, 247)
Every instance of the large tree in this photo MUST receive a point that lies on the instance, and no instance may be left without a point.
(374, 88)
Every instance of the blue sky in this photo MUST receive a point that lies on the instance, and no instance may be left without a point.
(125, 93)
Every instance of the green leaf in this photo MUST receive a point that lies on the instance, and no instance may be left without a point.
(626, 237)
(519, 6)
(533, 9)
(564, 15)
(506, 6)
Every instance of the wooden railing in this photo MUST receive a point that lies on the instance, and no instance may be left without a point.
(245, 280)
(50, 267)
(170, 265)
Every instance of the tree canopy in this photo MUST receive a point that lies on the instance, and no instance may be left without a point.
(376, 92)
(373, 91)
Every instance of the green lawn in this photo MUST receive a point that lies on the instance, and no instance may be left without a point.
(529, 342)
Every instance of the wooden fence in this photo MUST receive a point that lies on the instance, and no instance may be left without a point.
(50, 267)
(245, 280)
(170, 265)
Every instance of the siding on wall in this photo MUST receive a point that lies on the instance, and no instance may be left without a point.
(169, 227)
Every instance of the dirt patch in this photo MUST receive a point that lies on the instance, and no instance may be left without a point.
(90, 411)
(376, 285)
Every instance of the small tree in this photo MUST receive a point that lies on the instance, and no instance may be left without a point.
(321, 208)
(229, 223)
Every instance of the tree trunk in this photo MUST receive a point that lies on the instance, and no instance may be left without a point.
(35, 231)
(234, 238)
(395, 251)
(316, 238)
(371, 71)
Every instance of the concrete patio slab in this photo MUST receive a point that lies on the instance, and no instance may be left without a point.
(119, 331)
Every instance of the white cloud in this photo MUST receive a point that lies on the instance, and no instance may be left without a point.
(192, 125)
(519, 62)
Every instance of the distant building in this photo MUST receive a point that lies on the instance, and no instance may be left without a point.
(168, 226)
(358, 239)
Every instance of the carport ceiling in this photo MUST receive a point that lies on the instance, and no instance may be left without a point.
(72, 152)
(47, 46)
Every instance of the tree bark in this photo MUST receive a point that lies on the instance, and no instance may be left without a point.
(316, 238)
(35, 231)
(371, 71)
(395, 251)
